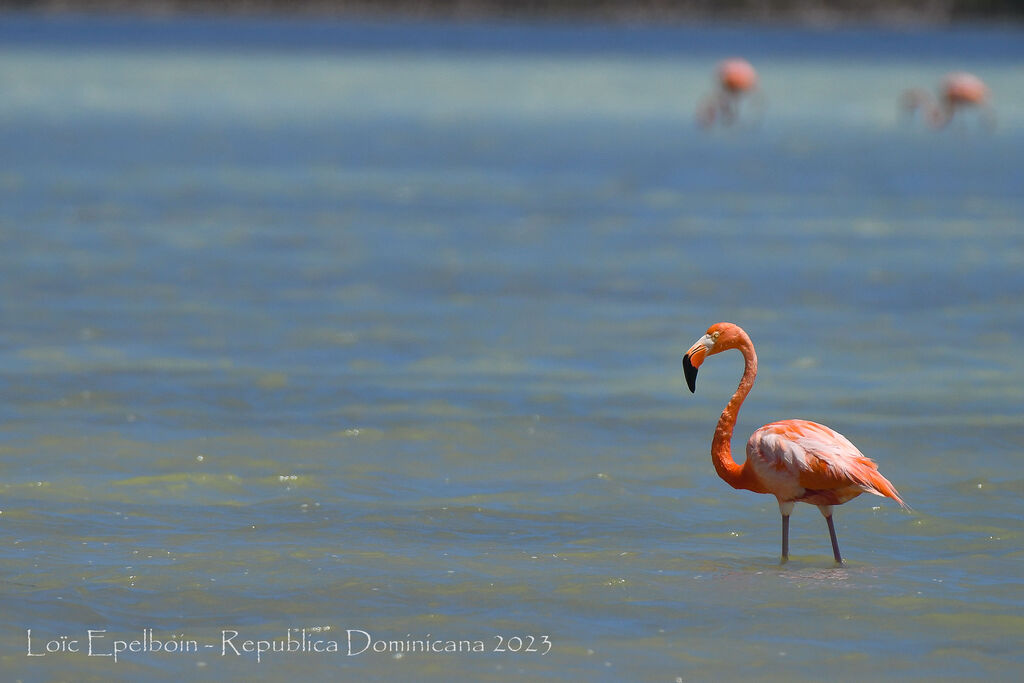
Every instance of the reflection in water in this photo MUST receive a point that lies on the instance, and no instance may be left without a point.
(833, 577)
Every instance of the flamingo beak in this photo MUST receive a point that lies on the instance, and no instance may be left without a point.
(693, 359)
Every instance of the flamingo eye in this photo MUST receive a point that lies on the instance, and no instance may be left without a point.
(715, 335)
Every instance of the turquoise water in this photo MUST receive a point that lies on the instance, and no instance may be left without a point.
(377, 329)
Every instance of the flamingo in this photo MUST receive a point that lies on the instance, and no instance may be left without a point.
(794, 460)
(959, 90)
(736, 77)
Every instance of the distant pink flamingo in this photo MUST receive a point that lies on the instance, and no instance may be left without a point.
(794, 460)
(736, 78)
(959, 90)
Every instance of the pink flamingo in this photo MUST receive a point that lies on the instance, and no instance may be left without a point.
(736, 78)
(794, 460)
(959, 90)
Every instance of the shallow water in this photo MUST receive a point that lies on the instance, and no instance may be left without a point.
(378, 328)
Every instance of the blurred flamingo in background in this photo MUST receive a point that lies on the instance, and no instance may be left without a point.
(959, 90)
(794, 460)
(736, 79)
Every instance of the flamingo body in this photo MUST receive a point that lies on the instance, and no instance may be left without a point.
(961, 87)
(737, 75)
(737, 81)
(794, 460)
(807, 462)
(958, 91)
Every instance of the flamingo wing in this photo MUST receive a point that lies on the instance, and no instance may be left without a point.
(807, 461)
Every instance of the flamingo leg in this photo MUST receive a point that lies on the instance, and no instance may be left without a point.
(786, 508)
(785, 538)
(835, 543)
(826, 512)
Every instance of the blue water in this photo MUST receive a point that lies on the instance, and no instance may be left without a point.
(378, 327)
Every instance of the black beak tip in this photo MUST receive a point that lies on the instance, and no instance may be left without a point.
(690, 373)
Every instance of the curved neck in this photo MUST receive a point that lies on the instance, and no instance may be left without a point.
(721, 447)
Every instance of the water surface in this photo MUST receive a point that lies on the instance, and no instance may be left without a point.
(349, 326)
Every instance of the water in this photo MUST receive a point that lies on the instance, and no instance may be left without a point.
(378, 328)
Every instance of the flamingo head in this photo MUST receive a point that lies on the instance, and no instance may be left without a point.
(719, 337)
